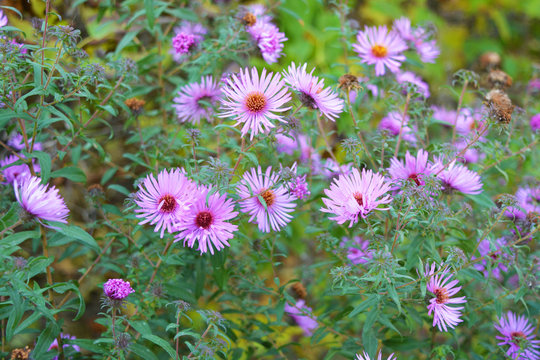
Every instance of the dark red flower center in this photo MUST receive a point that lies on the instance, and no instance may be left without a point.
(255, 101)
(379, 51)
(204, 219)
(415, 178)
(517, 337)
(359, 199)
(307, 100)
(442, 295)
(269, 197)
(169, 203)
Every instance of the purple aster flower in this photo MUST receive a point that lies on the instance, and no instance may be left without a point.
(365, 356)
(206, 221)
(392, 123)
(117, 289)
(3, 19)
(457, 177)
(16, 141)
(286, 143)
(414, 168)
(409, 77)
(427, 50)
(376, 46)
(356, 195)
(269, 40)
(357, 250)
(535, 122)
(40, 201)
(404, 28)
(254, 100)
(15, 172)
(496, 255)
(312, 92)
(298, 187)
(441, 285)
(303, 315)
(197, 100)
(330, 168)
(469, 121)
(517, 332)
(471, 155)
(528, 201)
(534, 85)
(164, 201)
(267, 203)
(445, 116)
(54, 344)
(187, 37)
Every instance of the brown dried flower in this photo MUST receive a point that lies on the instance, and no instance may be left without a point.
(499, 79)
(23, 354)
(135, 105)
(490, 60)
(299, 290)
(348, 82)
(249, 19)
(499, 105)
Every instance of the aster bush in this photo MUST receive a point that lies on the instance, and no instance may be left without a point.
(269, 180)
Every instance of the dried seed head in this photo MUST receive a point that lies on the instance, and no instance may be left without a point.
(135, 105)
(95, 190)
(348, 82)
(122, 341)
(299, 290)
(23, 354)
(499, 79)
(533, 217)
(490, 60)
(249, 19)
(500, 106)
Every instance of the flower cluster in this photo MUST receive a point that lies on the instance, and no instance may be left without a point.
(117, 289)
(264, 33)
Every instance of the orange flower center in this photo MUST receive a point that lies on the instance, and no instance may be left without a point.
(379, 51)
(255, 101)
(268, 196)
(442, 295)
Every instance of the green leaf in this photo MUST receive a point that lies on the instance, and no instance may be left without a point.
(80, 235)
(17, 238)
(393, 294)
(45, 163)
(370, 301)
(71, 173)
(161, 343)
(10, 217)
(108, 175)
(45, 339)
(150, 17)
(143, 352)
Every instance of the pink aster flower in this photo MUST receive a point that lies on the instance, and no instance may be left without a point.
(3, 19)
(409, 77)
(492, 254)
(259, 11)
(443, 115)
(330, 168)
(117, 289)
(414, 168)
(42, 202)
(267, 203)
(16, 141)
(286, 143)
(443, 288)
(517, 332)
(376, 46)
(427, 50)
(312, 92)
(298, 187)
(187, 37)
(206, 221)
(303, 315)
(164, 201)
(269, 40)
(54, 344)
(456, 177)
(365, 356)
(197, 100)
(392, 123)
(254, 101)
(534, 85)
(357, 250)
(535, 122)
(356, 195)
(528, 201)
(471, 155)
(15, 172)
(469, 121)
(404, 28)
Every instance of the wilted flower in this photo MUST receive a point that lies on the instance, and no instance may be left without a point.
(40, 201)
(303, 316)
(517, 332)
(499, 79)
(444, 316)
(312, 92)
(206, 221)
(376, 46)
(197, 100)
(354, 195)
(164, 201)
(117, 289)
(500, 106)
(254, 101)
(267, 203)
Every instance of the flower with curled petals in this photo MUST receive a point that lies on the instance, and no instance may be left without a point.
(268, 203)
(517, 332)
(206, 221)
(312, 92)
(196, 101)
(354, 195)
(414, 168)
(163, 201)
(441, 285)
(255, 101)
